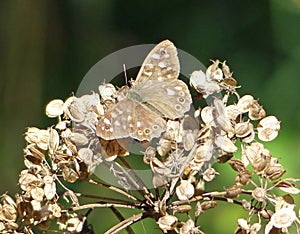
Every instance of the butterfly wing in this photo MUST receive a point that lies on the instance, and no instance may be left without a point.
(116, 122)
(147, 124)
(160, 64)
(169, 98)
(129, 118)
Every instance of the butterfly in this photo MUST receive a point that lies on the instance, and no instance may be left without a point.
(154, 96)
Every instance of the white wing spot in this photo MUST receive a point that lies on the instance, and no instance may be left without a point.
(155, 56)
(161, 65)
(170, 92)
(106, 121)
(148, 73)
(178, 107)
(138, 124)
(178, 87)
(167, 55)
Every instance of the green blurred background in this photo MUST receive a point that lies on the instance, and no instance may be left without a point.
(47, 47)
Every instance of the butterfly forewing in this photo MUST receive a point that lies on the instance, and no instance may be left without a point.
(161, 63)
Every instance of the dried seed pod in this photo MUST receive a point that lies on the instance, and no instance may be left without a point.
(233, 192)
(213, 72)
(225, 144)
(53, 140)
(243, 129)
(159, 181)
(37, 194)
(244, 177)
(206, 205)
(74, 109)
(69, 175)
(268, 128)
(182, 209)
(246, 204)
(256, 111)
(55, 108)
(167, 222)
(259, 194)
(79, 139)
(188, 227)
(107, 92)
(209, 174)
(149, 154)
(185, 190)
(237, 165)
(245, 103)
(207, 114)
(232, 112)
(274, 171)
(163, 146)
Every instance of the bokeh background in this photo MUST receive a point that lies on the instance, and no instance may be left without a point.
(46, 48)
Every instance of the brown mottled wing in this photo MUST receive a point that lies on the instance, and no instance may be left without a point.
(160, 64)
(128, 118)
(147, 124)
(169, 98)
(116, 123)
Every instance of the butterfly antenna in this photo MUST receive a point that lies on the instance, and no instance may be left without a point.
(126, 79)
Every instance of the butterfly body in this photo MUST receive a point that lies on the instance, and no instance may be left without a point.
(155, 95)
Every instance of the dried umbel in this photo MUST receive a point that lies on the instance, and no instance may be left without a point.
(94, 135)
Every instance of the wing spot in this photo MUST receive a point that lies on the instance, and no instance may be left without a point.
(147, 131)
(140, 132)
(155, 127)
(181, 93)
(178, 107)
(106, 121)
(167, 55)
(162, 65)
(138, 124)
(170, 92)
(181, 100)
(155, 56)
